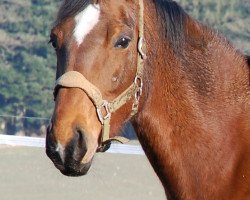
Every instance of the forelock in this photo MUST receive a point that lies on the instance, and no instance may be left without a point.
(70, 8)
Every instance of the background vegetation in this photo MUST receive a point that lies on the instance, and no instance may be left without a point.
(27, 63)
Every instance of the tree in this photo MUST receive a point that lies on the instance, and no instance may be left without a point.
(27, 72)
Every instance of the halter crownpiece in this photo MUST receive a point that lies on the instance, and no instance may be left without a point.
(74, 79)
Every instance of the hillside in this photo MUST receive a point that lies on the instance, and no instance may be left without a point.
(27, 63)
(230, 17)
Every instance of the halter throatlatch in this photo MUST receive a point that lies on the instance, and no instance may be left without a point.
(74, 79)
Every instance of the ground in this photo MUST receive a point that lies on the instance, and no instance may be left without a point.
(28, 174)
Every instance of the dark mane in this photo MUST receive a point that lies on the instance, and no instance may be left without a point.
(172, 18)
(70, 8)
(248, 60)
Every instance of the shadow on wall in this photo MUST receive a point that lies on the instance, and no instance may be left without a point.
(128, 131)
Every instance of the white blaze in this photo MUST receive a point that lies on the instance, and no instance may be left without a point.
(85, 22)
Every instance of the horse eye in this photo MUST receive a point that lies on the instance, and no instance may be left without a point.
(53, 43)
(123, 42)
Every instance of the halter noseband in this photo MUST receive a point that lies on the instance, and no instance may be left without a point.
(74, 79)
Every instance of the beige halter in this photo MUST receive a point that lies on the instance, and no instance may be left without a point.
(74, 79)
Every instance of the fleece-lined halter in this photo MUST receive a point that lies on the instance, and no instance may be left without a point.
(74, 79)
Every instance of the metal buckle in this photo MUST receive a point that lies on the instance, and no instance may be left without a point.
(99, 111)
(138, 82)
(138, 92)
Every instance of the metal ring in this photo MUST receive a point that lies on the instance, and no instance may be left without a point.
(138, 81)
(99, 111)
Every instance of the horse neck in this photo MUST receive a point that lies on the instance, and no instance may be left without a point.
(187, 139)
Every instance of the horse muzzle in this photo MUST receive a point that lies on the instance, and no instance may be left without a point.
(73, 159)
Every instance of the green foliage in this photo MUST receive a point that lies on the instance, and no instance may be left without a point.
(27, 63)
(230, 17)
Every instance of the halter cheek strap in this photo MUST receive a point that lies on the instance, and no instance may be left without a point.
(74, 79)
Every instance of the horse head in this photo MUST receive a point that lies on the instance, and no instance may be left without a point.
(97, 74)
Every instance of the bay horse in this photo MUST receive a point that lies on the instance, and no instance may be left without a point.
(183, 86)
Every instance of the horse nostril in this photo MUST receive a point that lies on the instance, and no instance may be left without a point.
(77, 148)
(52, 150)
(80, 135)
(50, 141)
